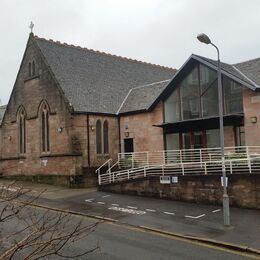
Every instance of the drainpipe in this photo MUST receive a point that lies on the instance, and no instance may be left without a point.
(119, 134)
(88, 148)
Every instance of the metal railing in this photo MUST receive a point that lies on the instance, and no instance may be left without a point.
(186, 161)
(244, 165)
(152, 158)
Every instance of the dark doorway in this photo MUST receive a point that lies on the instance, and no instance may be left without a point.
(129, 145)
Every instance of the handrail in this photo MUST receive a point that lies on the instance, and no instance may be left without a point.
(106, 162)
(160, 169)
(191, 149)
(131, 160)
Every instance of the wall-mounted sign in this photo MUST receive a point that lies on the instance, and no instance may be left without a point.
(222, 183)
(174, 179)
(165, 179)
(44, 161)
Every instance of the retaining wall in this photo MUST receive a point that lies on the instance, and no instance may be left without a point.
(243, 189)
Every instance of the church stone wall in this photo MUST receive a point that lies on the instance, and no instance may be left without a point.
(29, 93)
(113, 138)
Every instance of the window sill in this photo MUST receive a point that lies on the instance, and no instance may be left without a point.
(101, 155)
(31, 78)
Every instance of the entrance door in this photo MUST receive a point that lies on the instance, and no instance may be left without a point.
(129, 145)
(198, 140)
(194, 140)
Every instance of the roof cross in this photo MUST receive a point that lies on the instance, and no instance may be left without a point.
(31, 26)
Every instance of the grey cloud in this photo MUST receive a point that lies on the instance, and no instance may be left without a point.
(157, 31)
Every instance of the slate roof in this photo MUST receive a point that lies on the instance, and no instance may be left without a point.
(251, 69)
(248, 72)
(2, 112)
(142, 97)
(98, 82)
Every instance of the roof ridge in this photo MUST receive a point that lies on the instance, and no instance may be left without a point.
(103, 53)
(210, 59)
(246, 61)
(250, 80)
(118, 111)
(151, 84)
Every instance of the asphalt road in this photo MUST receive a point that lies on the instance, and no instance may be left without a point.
(117, 241)
(125, 238)
(172, 216)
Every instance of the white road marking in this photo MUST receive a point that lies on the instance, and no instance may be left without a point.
(89, 200)
(131, 211)
(151, 210)
(200, 216)
(105, 196)
(168, 213)
(115, 205)
(130, 207)
(102, 203)
(216, 210)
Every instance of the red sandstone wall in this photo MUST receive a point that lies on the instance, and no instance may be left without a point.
(140, 127)
(29, 92)
(98, 159)
(229, 136)
(251, 101)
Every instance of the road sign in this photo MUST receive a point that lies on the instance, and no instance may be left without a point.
(174, 179)
(222, 183)
(165, 179)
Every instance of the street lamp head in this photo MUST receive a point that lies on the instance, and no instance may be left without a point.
(204, 38)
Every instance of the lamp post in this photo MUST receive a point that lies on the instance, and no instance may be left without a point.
(205, 39)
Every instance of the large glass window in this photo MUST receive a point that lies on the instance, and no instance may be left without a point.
(190, 96)
(233, 96)
(172, 107)
(172, 141)
(209, 91)
(197, 96)
(210, 100)
(213, 139)
(240, 136)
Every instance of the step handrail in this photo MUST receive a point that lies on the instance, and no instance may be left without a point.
(144, 169)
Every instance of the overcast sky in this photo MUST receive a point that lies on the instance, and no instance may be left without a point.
(158, 31)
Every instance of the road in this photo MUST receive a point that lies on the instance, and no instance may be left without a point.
(171, 216)
(125, 235)
(119, 241)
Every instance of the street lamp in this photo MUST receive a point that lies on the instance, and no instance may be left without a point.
(205, 39)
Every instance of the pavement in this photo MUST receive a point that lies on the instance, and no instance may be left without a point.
(169, 217)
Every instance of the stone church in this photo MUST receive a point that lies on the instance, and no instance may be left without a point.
(64, 114)
(72, 109)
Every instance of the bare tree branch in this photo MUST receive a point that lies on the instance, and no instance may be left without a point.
(40, 233)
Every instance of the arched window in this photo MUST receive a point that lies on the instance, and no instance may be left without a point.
(98, 137)
(21, 130)
(30, 69)
(33, 68)
(44, 113)
(105, 137)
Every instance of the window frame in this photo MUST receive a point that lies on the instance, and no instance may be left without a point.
(21, 119)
